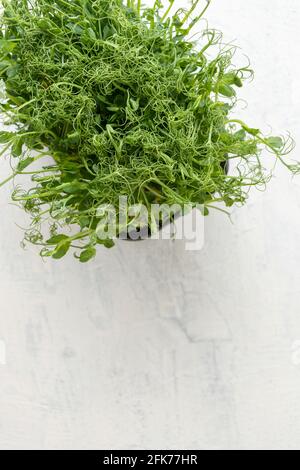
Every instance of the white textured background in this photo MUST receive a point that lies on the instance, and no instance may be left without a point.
(153, 347)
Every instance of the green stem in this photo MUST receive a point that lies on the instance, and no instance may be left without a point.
(8, 179)
(188, 14)
(167, 11)
(5, 148)
(35, 196)
(262, 140)
(26, 104)
(193, 7)
(82, 235)
(37, 172)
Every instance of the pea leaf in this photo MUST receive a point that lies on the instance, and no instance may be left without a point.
(226, 90)
(91, 33)
(76, 187)
(44, 24)
(24, 163)
(240, 135)
(62, 249)
(228, 201)
(17, 147)
(275, 142)
(12, 71)
(75, 28)
(5, 63)
(7, 46)
(57, 239)
(107, 32)
(84, 221)
(73, 138)
(134, 104)
(231, 78)
(108, 243)
(88, 254)
(251, 130)
(6, 137)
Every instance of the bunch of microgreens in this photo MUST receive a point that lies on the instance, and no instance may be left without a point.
(125, 104)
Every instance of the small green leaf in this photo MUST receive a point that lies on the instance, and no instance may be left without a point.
(275, 142)
(44, 24)
(75, 28)
(75, 187)
(240, 135)
(228, 201)
(62, 249)
(6, 137)
(231, 78)
(114, 109)
(57, 239)
(91, 33)
(5, 63)
(7, 46)
(12, 71)
(18, 100)
(73, 138)
(108, 243)
(17, 147)
(238, 82)
(88, 254)
(107, 32)
(251, 130)
(134, 104)
(84, 221)
(24, 163)
(226, 90)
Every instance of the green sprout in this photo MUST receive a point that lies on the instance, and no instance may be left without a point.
(124, 103)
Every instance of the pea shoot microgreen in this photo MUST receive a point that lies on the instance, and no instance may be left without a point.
(125, 103)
